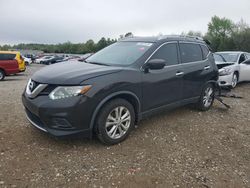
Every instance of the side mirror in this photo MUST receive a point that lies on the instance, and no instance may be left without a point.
(155, 64)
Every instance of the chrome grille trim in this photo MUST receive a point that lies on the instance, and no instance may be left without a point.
(36, 91)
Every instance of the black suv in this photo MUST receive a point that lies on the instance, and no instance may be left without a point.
(118, 86)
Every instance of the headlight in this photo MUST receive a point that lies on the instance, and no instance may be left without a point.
(225, 71)
(62, 92)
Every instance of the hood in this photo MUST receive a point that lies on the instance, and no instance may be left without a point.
(223, 64)
(71, 73)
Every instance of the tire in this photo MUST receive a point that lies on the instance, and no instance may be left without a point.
(111, 129)
(207, 98)
(234, 80)
(2, 75)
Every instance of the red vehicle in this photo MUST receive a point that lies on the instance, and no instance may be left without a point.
(8, 65)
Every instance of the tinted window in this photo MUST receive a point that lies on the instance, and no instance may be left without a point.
(205, 51)
(190, 52)
(1, 57)
(7, 56)
(168, 52)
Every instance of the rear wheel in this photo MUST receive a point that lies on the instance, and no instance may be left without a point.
(207, 98)
(115, 121)
(2, 75)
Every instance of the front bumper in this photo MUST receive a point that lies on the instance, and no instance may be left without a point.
(59, 118)
(225, 80)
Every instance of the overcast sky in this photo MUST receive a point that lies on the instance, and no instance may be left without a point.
(57, 21)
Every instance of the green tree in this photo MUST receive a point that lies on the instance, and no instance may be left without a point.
(220, 32)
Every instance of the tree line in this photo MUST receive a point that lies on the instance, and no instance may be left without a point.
(223, 34)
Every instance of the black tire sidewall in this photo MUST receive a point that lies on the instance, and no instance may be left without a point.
(2, 72)
(102, 117)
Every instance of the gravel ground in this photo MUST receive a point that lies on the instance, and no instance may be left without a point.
(181, 148)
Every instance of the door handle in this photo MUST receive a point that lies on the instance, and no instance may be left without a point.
(206, 67)
(179, 73)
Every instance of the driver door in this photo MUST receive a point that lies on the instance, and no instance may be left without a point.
(245, 71)
(164, 86)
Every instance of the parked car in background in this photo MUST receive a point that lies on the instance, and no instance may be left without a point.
(18, 57)
(120, 85)
(232, 67)
(27, 60)
(43, 59)
(85, 56)
(57, 59)
(31, 56)
(8, 65)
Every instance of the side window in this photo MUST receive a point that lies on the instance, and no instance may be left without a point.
(1, 57)
(190, 52)
(242, 58)
(10, 56)
(7, 56)
(247, 56)
(168, 52)
(205, 51)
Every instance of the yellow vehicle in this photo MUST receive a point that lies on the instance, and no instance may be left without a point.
(18, 57)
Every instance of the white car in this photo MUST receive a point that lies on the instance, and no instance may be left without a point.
(234, 67)
(27, 60)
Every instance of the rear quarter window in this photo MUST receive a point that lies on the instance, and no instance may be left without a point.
(190, 52)
(205, 51)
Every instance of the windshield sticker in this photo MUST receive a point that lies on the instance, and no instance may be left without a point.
(142, 49)
(144, 44)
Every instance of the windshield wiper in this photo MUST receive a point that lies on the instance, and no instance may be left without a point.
(96, 63)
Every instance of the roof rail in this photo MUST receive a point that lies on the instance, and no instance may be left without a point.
(183, 36)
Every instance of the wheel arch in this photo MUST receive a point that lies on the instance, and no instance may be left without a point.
(127, 95)
(237, 72)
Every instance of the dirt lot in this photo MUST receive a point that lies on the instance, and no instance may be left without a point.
(182, 148)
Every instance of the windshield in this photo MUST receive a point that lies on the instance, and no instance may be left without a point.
(230, 57)
(120, 53)
(219, 58)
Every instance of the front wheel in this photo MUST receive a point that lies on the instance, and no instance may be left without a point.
(115, 121)
(207, 98)
(2, 75)
(234, 80)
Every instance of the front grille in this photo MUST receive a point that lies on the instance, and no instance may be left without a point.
(35, 84)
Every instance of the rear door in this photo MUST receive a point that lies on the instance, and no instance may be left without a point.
(196, 66)
(162, 87)
(8, 63)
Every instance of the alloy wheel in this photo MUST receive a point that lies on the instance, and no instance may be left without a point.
(208, 97)
(234, 81)
(118, 122)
